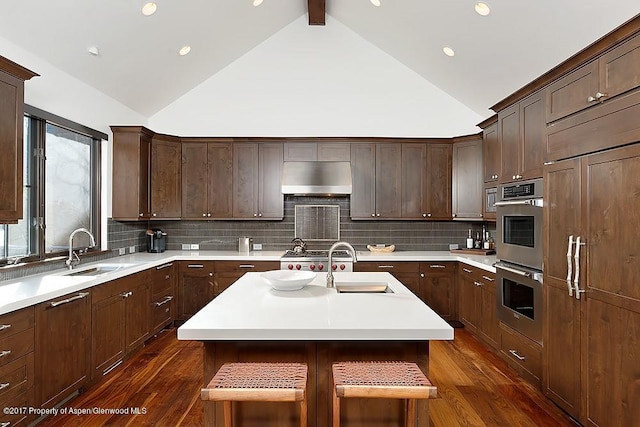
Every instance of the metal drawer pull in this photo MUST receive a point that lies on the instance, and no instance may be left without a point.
(487, 278)
(160, 267)
(478, 283)
(112, 367)
(3, 327)
(437, 266)
(126, 294)
(466, 270)
(68, 300)
(7, 424)
(164, 301)
(385, 266)
(576, 281)
(5, 353)
(569, 266)
(195, 266)
(515, 354)
(4, 385)
(247, 266)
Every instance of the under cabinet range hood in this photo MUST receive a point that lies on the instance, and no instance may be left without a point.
(316, 178)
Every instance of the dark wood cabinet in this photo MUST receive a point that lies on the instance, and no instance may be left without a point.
(227, 272)
(165, 180)
(388, 180)
(467, 181)
(12, 78)
(257, 188)
(207, 174)
(491, 153)
(317, 151)
(363, 172)
(521, 135)
(162, 280)
(478, 307)
(195, 287)
(437, 288)
(439, 158)
(591, 297)
(62, 347)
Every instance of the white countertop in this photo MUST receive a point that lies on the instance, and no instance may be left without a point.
(20, 293)
(251, 310)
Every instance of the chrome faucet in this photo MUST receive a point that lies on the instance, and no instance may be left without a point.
(352, 252)
(70, 262)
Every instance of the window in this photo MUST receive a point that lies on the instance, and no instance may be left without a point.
(61, 188)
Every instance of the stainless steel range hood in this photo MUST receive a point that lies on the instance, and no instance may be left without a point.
(316, 178)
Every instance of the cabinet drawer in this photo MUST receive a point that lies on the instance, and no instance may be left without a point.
(437, 267)
(476, 273)
(15, 378)
(244, 266)
(390, 267)
(17, 321)
(20, 404)
(521, 353)
(118, 286)
(16, 345)
(161, 312)
(162, 278)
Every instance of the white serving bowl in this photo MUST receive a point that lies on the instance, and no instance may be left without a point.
(285, 280)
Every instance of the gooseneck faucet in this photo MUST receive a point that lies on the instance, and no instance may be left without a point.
(352, 252)
(70, 262)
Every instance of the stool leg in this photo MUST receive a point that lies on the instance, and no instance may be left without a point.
(228, 414)
(303, 412)
(335, 408)
(411, 413)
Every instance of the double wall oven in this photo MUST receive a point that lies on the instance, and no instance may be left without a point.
(519, 250)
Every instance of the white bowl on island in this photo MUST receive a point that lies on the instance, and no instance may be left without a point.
(286, 280)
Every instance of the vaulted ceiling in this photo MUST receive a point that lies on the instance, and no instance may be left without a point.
(138, 65)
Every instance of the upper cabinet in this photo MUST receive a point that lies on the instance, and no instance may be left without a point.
(12, 78)
(146, 174)
(468, 186)
(320, 151)
(491, 155)
(521, 136)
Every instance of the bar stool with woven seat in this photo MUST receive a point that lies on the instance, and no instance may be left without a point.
(265, 382)
(391, 380)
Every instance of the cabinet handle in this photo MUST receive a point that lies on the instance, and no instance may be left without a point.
(5, 353)
(260, 214)
(455, 215)
(126, 294)
(209, 215)
(81, 295)
(570, 265)
(421, 274)
(3, 327)
(377, 214)
(516, 355)
(247, 266)
(141, 214)
(4, 385)
(160, 267)
(373, 214)
(154, 214)
(478, 283)
(600, 95)
(7, 424)
(195, 266)
(576, 281)
(590, 98)
(210, 274)
(164, 301)
(487, 278)
(255, 215)
(466, 270)
(204, 215)
(385, 266)
(437, 266)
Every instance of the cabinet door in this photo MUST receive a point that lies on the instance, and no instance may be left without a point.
(509, 138)
(619, 69)
(572, 93)
(438, 198)
(533, 131)
(195, 287)
(63, 347)
(271, 199)
(300, 152)
(195, 177)
(414, 181)
(467, 192)
(137, 315)
(107, 334)
(469, 299)
(561, 382)
(166, 181)
(438, 288)
(220, 166)
(363, 172)
(388, 180)
(11, 146)
(491, 154)
(334, 152)
(245, 180)
(488, 318)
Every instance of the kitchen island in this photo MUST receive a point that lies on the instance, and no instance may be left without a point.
(318, 326)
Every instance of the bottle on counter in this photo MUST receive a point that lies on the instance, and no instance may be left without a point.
(485, 242)
(492, 242)
(477, 243)
(469, 240)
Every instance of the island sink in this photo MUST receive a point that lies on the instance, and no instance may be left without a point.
(363, 287)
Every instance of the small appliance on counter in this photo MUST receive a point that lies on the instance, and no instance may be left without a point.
(245, 244)
(157, 240)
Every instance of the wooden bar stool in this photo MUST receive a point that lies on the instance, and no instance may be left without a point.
(391, 380)
(258, 382)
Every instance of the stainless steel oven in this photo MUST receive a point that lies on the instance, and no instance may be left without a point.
(519, 298)
(519, 223)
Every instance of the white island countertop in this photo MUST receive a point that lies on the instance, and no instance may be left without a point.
(251, 310)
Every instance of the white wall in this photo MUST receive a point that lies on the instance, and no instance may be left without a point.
(316, 81)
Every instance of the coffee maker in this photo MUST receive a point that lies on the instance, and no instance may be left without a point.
(157, 240)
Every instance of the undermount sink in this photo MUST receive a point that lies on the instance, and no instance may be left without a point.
(97, 270)
(363, 287)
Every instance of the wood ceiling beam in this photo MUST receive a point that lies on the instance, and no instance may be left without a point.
(317, 12)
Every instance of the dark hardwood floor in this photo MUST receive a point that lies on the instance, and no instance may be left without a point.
(475, 388)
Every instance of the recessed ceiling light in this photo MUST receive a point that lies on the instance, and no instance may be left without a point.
(257, 2)
(375, 2)
(184, 50)
(482, 8)
(448, 51)
(149, 8)
(93, 50)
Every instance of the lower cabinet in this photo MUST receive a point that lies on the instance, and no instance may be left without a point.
(62, 347)
(437, 288)
(522, 354)
(478, 308)
(163, 290)
(119, 322)
(195, 287)
(227, 272)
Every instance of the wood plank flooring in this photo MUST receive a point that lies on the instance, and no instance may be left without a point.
(475, 388)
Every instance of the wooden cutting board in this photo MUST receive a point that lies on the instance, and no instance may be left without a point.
(474, 251)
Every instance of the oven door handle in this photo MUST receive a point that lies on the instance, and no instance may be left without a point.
(570, 265)
(528, 202)
(513, 270)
